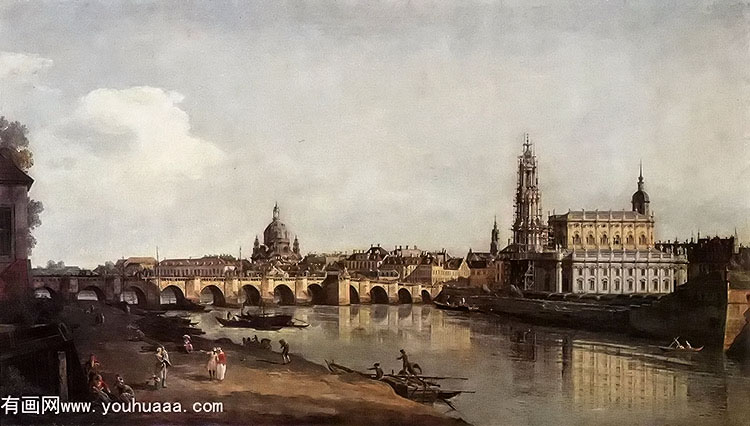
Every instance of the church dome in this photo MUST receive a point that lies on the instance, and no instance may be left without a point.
(276, 231)
(640, 196)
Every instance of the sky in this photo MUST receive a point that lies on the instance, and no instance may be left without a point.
(180, 124)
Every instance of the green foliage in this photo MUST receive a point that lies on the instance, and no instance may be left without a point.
(13, 136)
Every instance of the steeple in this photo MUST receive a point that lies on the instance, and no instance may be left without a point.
(276, 211)
(529, 231)
(295, 246)
(640, 199)
(494, 239)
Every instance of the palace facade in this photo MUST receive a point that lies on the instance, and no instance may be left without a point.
(586, 251)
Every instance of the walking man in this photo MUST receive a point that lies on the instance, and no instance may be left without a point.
(162, 362)
(284, 352)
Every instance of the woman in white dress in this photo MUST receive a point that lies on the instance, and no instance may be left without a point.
(221, 366)
(211, 364)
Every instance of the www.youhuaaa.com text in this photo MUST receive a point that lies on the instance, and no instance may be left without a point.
(13, 405)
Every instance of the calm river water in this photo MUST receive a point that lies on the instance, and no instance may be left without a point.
(522, 374)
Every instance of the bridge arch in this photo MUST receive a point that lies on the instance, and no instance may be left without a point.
(252, 295)
(212, 295)
(426, 297)
(91, 293)
(317, 294)
(44, 293)
(134, 296)
(378, 295)
(404, 296)
(353, 295)
(283, 295)
(171, 295)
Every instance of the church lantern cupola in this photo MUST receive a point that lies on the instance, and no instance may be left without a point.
(640, 199)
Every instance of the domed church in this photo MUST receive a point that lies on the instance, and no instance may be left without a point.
(276, 243)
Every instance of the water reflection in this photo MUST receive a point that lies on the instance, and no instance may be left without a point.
(522, 374)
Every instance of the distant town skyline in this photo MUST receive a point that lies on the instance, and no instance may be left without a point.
(369, 123)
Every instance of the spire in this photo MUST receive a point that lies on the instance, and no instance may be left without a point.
(640, 176)
(276, 211)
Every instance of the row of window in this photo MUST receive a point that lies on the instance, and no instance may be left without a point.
(192, 272)
(630, 285)
(604, 240)
(631, 271)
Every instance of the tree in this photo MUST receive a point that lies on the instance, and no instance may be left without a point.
(13, 136)
(13, 139)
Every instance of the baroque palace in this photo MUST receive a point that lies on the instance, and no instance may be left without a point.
(586, 251)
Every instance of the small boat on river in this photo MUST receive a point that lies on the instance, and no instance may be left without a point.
(263, 322)
(676, 346)
(450, 306)
(415, 388)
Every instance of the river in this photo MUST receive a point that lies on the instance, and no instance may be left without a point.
(522, 374)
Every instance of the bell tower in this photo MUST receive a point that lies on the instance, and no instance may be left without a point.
(495, 238)
(529, 231)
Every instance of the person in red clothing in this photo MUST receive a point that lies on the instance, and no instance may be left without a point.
(221, 366)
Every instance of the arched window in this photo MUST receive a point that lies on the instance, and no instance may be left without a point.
(592, 271)
(643, 285)
(666, 285)
(617, 285)
(642, 240)
(605, 285)
(592, 285)
(616, 240)
(630, 285)
(629, 240)
(604, 240)
(580, 284)
(590, 240)
(576, 238)
(655, 284)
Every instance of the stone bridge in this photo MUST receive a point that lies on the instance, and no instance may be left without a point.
(220, 291)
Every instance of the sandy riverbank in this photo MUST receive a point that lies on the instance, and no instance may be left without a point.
(258, 389)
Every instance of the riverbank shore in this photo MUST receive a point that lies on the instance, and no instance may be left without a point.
(258, 389)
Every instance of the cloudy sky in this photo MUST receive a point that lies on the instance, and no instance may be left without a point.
(179, 124)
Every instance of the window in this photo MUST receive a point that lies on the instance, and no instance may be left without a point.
(6, 231)
(630, 285)
(643, 285)
(590, 239)
(630, 272)
(592, 271)
(642, 240)
(576, 239)
(666, 285)
(580, 284)
(605, 272)
(604, 240)
(605, 285)
(655, 285)
(617, 285)
(629, 239)
(592, 284)
(616, 240)
(617, 272)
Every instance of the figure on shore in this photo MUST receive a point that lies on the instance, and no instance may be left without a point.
(378, 371)
(162, 363)
(187, 343)
(221, 364)
(92, 366)
(99, 390)
(229, 315)
(408, 368)
(211, 364)
(284, 352)
(125, 393)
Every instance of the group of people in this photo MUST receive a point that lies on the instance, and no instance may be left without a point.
(217, 364)
(99, 390)
(408, 368)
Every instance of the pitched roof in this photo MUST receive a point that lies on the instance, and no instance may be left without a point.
(10, 173)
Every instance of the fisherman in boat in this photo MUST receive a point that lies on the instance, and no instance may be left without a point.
(409, 368)
(378, 371)
(229, 315)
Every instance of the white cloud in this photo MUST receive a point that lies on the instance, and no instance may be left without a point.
(22, 66)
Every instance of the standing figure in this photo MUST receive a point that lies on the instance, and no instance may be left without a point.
(160, 367)
(91, 367)
(221, 364)
(284, 352)
(211, 364)
(229, 315)
(187, 343)
(408, 368)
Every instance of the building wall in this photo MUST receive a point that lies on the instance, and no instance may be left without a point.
(16, 198)
(632, 232)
